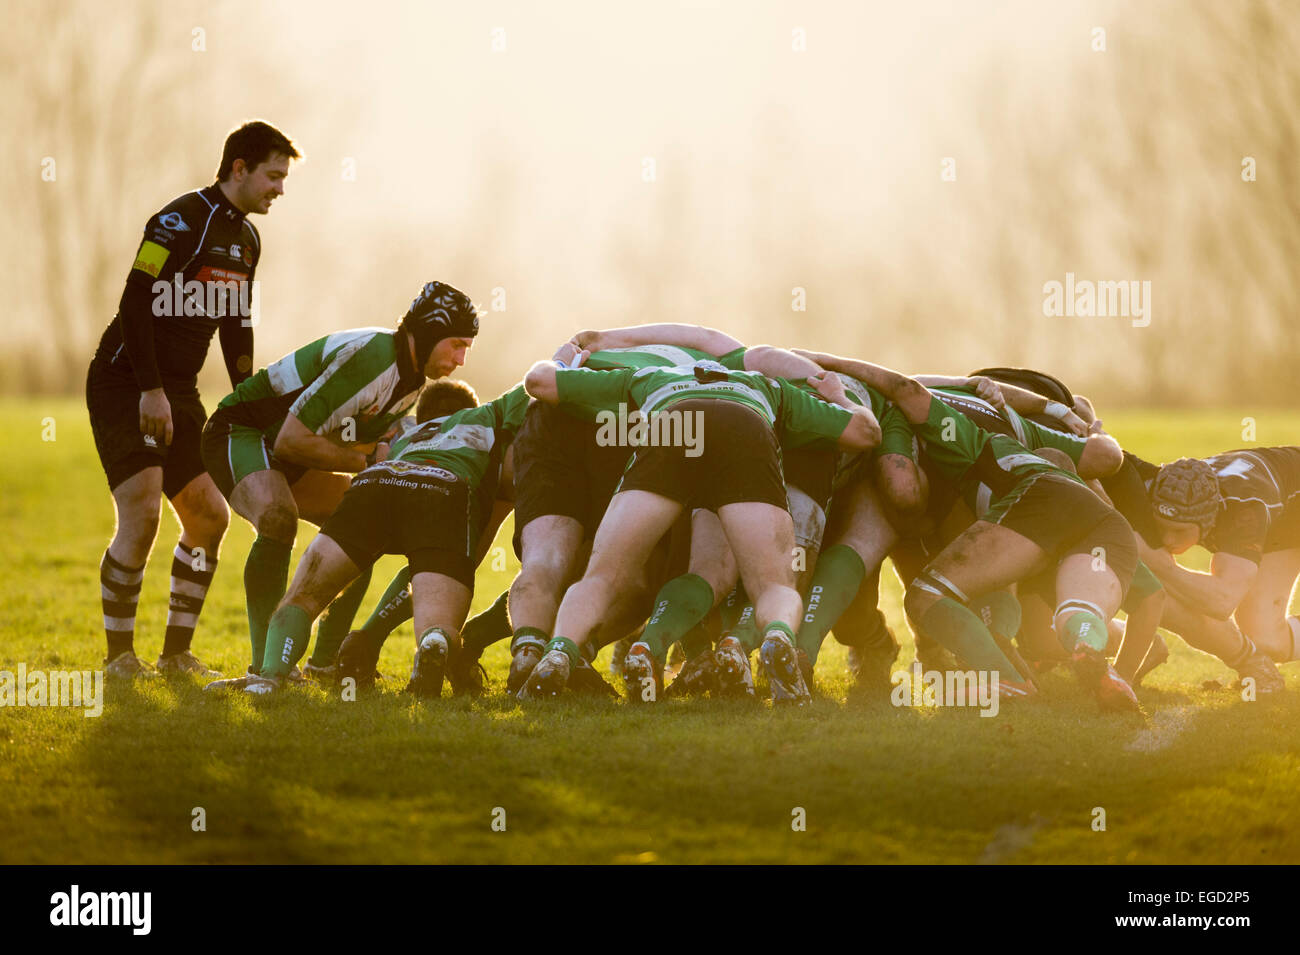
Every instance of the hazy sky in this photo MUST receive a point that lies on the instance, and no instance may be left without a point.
(523, 168)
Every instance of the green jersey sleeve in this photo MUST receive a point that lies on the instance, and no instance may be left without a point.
(1039, 436)
(951, 439)
(805, 419)
(595, 390)
(734, 360)
(896, 435)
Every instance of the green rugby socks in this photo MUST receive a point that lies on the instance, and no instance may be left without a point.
(266, 576)
(286, 641)
(1000, 612)
(681, 604)
(964, 634)
(835, 584)
(393, 610)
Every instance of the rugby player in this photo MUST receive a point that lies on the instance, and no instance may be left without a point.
(434, 499)
(737, 475)
(142, 394)
(1244, 507)
(564, 478)
(1032, 517)
(280, 445)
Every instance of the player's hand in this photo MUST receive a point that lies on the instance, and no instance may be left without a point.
(988, 389)
(828, 386)
(571, 355)
(1096, 427)
(156, 415)
(380, 453)
(588, 338)
(1076, 424)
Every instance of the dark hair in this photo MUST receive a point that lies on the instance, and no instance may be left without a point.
(443, 397)
(254, 142)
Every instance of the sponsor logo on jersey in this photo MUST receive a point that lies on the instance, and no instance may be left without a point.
(415, 469)
(173, 221)
(151, 258)
(150, 441)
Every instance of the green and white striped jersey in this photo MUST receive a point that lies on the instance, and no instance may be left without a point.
(359, 375)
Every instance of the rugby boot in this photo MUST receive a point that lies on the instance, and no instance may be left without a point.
(127, 666)
(261, 686)
(642, 677)
(326, 676)
(548, 678)
(731, 663)
(430, 666)
(697, 677)
(467, 675)
(358, 659)
(526, 654)
(1265, 672)
(781, 665)
(185, 662)
(1112, 690)
(585, 679)
(1157, 654)
(230, 683)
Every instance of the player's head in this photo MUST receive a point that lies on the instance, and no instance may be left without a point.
(254, 165)
(442, 323)
(1186, 500)
(443, 397)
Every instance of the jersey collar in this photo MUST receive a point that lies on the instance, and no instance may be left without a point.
(228, 209)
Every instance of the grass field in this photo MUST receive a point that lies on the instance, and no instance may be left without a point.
(307, 777)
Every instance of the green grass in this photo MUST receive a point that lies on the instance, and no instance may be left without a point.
(310, 778)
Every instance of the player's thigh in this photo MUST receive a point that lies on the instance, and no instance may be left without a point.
(1266, 603)
(318, 493)
(322, 574)
(138, 498)
(986, 557)
(762, 538)
(629, 531)
(711, 556)
(200, 507)
(438, 600)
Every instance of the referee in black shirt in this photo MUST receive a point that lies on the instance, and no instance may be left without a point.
(192, 277)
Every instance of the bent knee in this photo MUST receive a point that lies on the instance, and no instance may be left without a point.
(278, 522)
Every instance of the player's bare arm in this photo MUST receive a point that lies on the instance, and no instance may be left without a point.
(298, 444)
(863, 432)
(703, 339)
(911, 397)
(1215, 594)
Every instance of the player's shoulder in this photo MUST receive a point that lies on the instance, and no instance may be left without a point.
(183, 217)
